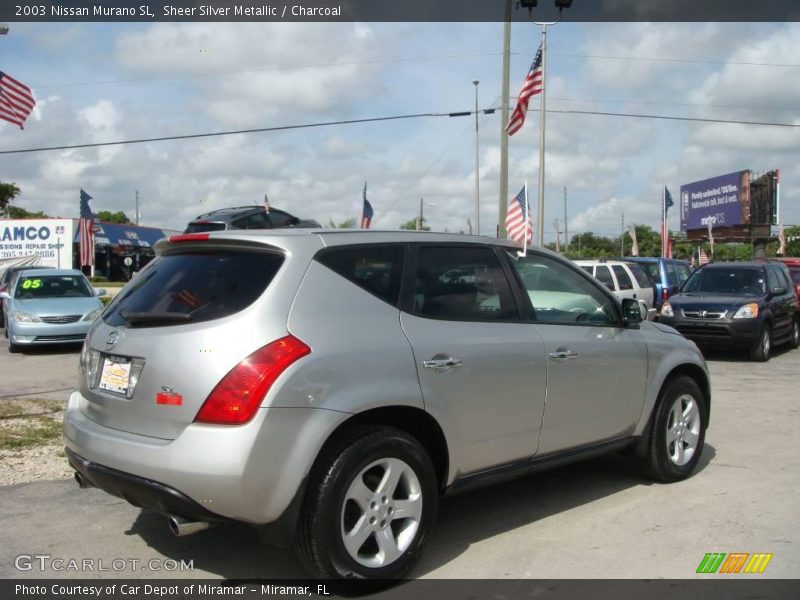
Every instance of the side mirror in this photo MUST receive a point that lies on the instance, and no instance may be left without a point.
(99, 291)
(632, 311)
(5, 296)
(779, 291)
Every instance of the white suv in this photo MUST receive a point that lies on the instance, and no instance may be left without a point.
(626, 280)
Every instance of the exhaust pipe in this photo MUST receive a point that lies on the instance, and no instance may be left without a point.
(82, 482)
(180, 526)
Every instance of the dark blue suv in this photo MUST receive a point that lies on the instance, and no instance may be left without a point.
(667, 273)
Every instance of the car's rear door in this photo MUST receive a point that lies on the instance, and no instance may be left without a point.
(481, 370)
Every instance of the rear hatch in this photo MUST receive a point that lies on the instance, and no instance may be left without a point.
(178, 328)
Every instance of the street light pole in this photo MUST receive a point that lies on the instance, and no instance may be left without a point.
(477, 166)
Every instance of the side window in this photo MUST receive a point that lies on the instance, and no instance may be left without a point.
(683, 272)
(603, 274)
(672, 275)
(462, 283)
(377, 269)
(623, 279)
(773, 280)
(254, 221)
(277, 218)
(642, 278)
(559, 295)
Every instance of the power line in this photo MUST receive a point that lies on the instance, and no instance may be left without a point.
(390, 118)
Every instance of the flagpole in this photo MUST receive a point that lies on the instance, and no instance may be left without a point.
(663, 220)
(540, 203)
(525, 235)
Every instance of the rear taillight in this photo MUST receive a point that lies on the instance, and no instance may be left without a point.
(664, 294)
(188, 237)
(237, 397)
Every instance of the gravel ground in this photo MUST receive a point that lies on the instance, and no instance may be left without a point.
(39, 461)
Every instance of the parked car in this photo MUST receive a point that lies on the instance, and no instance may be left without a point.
(327, 387)
(247, 217)
(793, 264)
(737, 305)
(7, 277)
(49, 306)
(669, 275)
(626, 280)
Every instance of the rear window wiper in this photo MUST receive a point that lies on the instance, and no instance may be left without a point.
(154, 318)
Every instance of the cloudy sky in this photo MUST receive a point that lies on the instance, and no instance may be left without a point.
(108, 82)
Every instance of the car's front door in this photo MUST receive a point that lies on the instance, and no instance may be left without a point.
(481, 370)
(596, 366)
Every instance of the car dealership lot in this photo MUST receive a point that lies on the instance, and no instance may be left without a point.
(597, 519)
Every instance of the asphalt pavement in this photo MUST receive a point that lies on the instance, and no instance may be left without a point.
(597, 519)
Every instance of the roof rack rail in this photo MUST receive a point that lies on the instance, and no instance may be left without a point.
(227, 208)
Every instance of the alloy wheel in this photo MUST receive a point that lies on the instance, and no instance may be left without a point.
(683, 430)
(381, 512)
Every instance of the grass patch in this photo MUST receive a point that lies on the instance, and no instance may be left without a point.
(29, 432)
(11, 409)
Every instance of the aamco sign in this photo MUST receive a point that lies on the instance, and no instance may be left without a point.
(48, 240)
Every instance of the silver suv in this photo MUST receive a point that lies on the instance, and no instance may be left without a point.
(328, 387)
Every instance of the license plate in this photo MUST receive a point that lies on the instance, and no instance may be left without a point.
(116, 374)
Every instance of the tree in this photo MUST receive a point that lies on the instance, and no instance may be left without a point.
(8, 191)
(113, 217)
(412, 225)
(15, 212)
(346, 224)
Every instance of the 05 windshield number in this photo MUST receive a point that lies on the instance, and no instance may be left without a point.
(31, 284)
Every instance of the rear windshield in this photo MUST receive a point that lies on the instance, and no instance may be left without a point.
(193, 287)
(741, 281)
(201, 227)
(53, 286)
(652, 270)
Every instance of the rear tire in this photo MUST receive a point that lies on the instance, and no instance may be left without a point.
(794, 340)
(678, 431)
(762, 349)
(371, 501)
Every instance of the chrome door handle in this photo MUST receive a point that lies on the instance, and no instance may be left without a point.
(563, 355)
(438, 364)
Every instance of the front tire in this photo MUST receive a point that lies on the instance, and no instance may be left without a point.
(762, 349)
(794, 340)
(677, 436)
(371, 502)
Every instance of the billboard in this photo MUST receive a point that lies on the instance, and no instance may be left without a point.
(723, 201)
(45, 242)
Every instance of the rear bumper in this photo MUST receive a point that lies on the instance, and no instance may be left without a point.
(248, 473)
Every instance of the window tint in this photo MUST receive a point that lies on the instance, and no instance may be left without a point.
(653, 270)
(560, 295)
(201, 227)
(795, 272)
(462, 283)
(377, 269)
(603, 274)
(279, 219)
(641, 277)
(672, 275)
(193, 287)
(683, 272)
(623, 279)
(255, 221)
(773, 280)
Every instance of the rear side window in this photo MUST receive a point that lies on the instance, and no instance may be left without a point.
(377, 269)
(623, 279)
(683, 272)
(652, 269)
(641, 277)
(773, 280)
(461, 283)
(255, 221)
(672, 275)
(603, 274)
(279, 219)
(193, 287)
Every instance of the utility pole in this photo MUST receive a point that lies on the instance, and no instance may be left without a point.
(622, 237)
(566, 227)
(504, 95)
(477, 166)
(137, 208)
(419, 219)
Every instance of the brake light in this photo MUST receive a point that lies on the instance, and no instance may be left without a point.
(664, 294)
(238, 395)
(188, 237)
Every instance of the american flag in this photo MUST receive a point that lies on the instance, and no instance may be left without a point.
(366, 212)
(16, 100)
(266, 204)
(530, 87)
(517, 226)
(86, 229)
(782, 240)
(703, 260)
